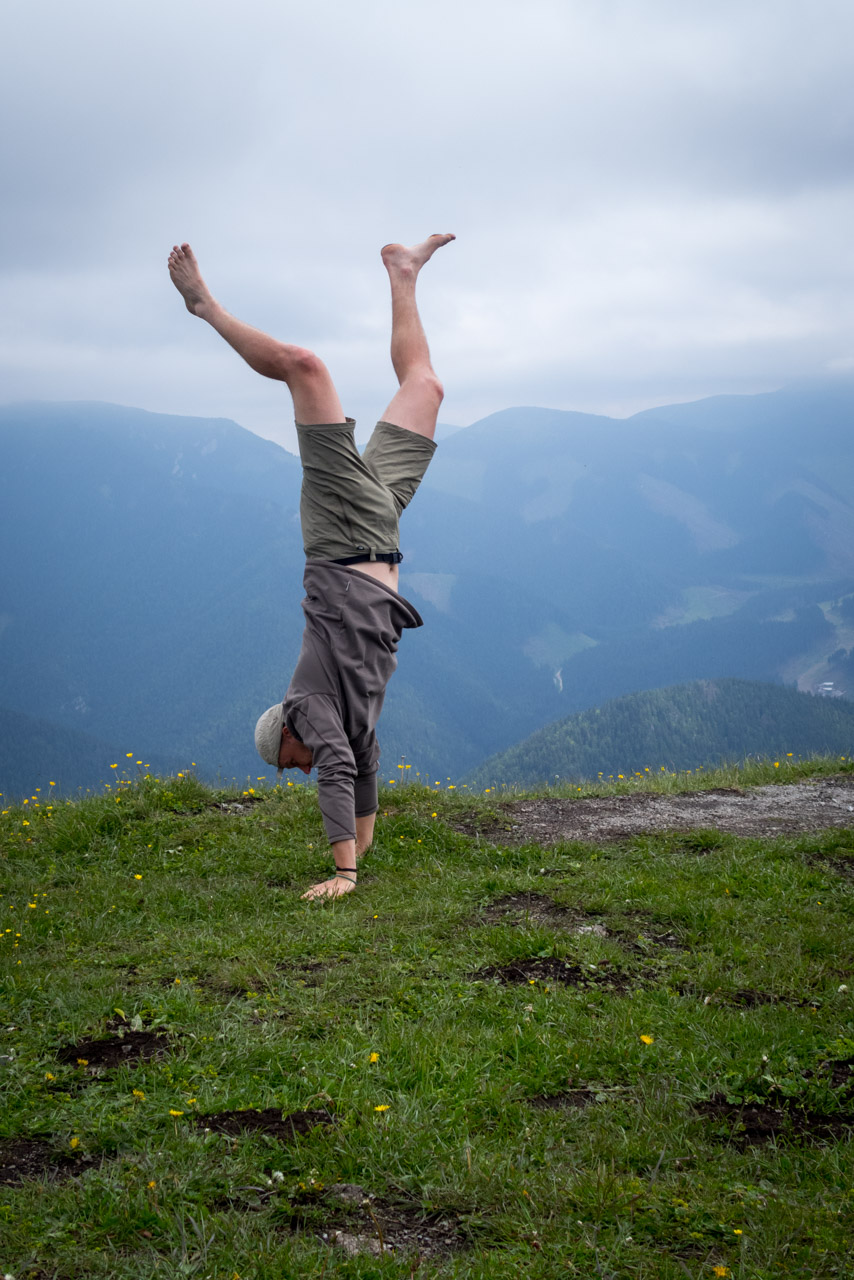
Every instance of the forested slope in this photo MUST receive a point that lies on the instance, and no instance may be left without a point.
(680, 727)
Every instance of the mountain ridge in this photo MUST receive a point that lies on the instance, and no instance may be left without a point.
(702, 724)
(150, 587)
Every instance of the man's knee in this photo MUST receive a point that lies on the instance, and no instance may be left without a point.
(428, 387)
(298, 364)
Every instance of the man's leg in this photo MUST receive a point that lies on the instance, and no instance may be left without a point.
(364, 833)
(307, 378)
(416, 405)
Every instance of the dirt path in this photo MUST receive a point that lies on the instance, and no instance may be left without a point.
(760, 811)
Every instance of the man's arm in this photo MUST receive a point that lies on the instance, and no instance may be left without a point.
(318, 724)
(346, 854)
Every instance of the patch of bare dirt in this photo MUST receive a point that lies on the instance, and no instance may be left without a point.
(546, 970)
(233, 990)
(839, 860)
(839, 1072)
(760, 811)
(31, 1159)
(751, 1125)
(359, 1224)
(36, 1273)
(114, 1051)
(747, 998)
(236, 806)
(538, 908)
(647, 936)
(270, 1121)
(307, 973)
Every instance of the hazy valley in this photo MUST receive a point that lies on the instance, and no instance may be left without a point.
(152, 567)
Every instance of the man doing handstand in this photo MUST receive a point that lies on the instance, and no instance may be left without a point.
(350, 507)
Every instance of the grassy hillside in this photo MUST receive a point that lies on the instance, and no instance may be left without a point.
(490, 1060)
(682, 727)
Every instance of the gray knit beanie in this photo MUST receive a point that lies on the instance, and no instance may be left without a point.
(268, 735)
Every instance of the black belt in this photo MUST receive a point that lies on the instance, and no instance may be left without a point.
(387, 557)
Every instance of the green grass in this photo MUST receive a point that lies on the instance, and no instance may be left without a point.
(156, 909)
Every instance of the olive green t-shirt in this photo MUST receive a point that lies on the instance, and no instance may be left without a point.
(349, 652)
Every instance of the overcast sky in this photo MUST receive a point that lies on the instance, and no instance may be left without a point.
(653, 198)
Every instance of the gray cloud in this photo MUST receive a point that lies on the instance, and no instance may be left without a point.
(652, 201)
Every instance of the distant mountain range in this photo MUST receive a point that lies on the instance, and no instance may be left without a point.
(152, 569)
(683, 727)
(39, 758)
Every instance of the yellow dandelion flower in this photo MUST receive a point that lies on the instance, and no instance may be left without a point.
(647, 1040)
(114, 766)
(375, 1057)
(137, 877)
(382, 1107)
(137, 1093)
(175, 1113)
(48, 1076)
(82, 1062)
(720, 1271)
(75, 1142)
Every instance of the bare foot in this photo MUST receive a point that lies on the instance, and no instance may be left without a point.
(187, 279)
(334, 888)
(399, 258)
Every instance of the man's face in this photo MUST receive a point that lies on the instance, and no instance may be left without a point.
(294, 754)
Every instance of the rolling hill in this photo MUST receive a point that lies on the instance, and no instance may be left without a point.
(682, 727)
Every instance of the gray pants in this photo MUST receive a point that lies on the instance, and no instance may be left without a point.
(351, 503)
